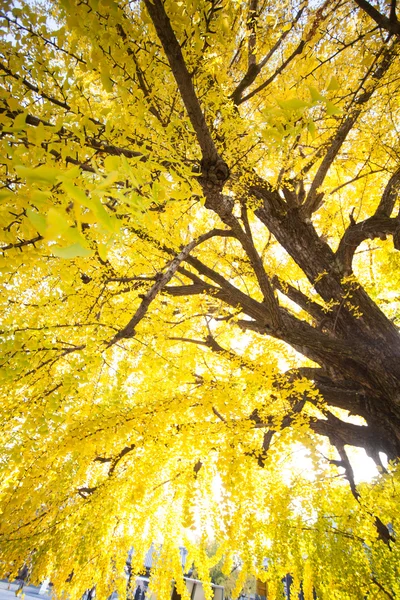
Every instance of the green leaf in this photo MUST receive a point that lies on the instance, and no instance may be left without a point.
(293, 104)
(316, 96)
(333, 84)
(37, 220)
(69, 174)
(137, 201)
(56, 223)
(331, 109)
(72, 251)
(312, 129)
(77, 194)
(104, 218)
(39, 197)
(109, 180)
(38, 175)
(93, 204)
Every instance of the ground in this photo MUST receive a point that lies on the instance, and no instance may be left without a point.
(30, 592)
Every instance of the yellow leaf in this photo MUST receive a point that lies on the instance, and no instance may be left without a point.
(107, 83)
(20, 121)
(13, 103)
(112, 163)
(5, 195)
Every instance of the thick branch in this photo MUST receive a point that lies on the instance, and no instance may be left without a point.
(354, 359)
(342, 433)
(376, 226)
(211, 343)
(391, 25)
(258, 268)
(317, 260)
(348, 469)
(252, 27)
(393, 16)
(341, 393)
(315, 345)
(223, 206)
(173, 52)
(389, 196)
(129, 330)
(189, 290)
(119, 456)
(90, 142)
(231, 294)
(312, 308)
(112, 150)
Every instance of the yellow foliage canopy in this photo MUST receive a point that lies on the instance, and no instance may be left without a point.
(199, 284)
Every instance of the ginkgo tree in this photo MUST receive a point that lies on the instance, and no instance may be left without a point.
(200, 282)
